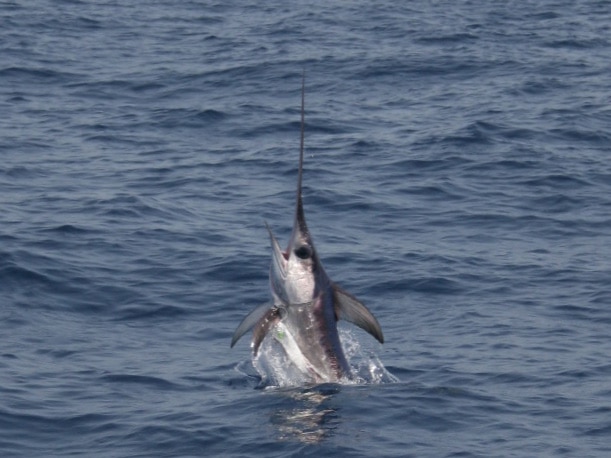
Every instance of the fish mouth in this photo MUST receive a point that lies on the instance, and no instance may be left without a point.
(280, 258)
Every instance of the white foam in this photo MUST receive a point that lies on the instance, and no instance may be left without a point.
(284, 365)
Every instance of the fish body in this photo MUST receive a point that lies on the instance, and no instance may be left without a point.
(306, 303)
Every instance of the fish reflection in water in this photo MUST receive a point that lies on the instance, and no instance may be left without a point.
(309, 419)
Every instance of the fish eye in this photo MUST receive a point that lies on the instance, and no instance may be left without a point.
(303, 252)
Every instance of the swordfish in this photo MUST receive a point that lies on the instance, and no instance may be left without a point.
(306, 303)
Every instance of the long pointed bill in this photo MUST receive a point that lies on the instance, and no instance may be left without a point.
(300, 232)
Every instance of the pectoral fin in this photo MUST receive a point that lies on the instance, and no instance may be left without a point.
(262, 319)
(249, 321)
(348, 307)
(267, 321)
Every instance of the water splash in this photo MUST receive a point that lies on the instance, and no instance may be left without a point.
(278, 369)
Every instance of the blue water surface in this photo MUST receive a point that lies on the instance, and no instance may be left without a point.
(457, 180)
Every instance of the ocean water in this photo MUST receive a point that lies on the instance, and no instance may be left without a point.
(457, 180)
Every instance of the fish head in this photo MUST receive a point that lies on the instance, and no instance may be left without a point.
(294, 271)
